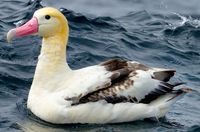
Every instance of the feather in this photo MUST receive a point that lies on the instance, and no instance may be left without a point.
(129, 82)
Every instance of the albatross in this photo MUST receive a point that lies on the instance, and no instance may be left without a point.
(113, 91)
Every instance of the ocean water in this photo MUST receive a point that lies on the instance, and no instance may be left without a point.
(159, 33)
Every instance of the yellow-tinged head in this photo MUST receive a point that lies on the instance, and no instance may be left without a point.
(46, 22)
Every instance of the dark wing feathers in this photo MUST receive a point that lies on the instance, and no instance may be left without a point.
(109, 93)
(114, 64)
(120, 80)
(120, 73)
(164, 75)
(161, 90)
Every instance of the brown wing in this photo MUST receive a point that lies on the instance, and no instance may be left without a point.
(122, 71)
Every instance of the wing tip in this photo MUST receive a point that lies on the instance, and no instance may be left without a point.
(164, 75)
(180, 92)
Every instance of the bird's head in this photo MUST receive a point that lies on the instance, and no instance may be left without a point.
(46, 22)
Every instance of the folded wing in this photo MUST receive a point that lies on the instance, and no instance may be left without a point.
(130, 82)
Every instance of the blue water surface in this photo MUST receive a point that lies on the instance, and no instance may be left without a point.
(159, 33)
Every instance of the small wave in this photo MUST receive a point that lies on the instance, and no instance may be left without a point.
(183, 25)
(195, 128)
(188, 20)
(138, 16)
(183, 21)
(18, 17)
(101, 22)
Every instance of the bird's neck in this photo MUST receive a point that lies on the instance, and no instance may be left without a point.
(54, 49)
(52, 59)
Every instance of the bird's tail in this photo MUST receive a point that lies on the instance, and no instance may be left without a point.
(163, 103)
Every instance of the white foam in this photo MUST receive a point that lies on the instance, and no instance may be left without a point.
(188, 20)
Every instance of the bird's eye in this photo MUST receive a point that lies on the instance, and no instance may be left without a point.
(47, 17)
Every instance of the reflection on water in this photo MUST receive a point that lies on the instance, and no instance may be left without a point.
(31, 126)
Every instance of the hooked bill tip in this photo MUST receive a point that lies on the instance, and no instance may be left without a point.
(10, 35)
